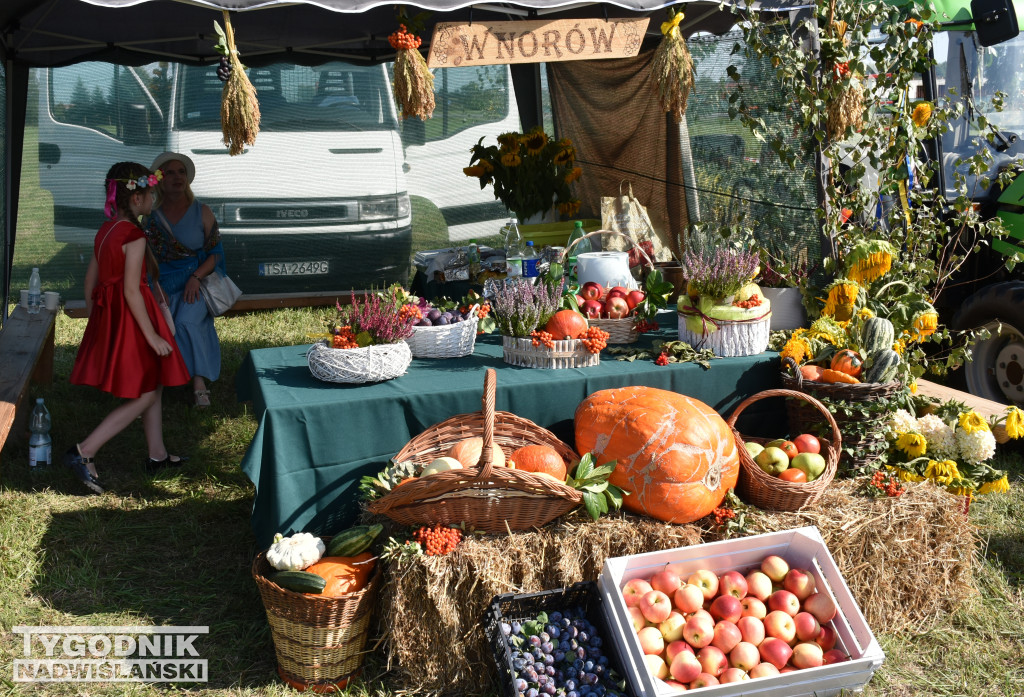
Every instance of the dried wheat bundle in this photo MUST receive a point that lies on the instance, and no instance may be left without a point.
(414, 84)
(845, 112)
(673, 68)
(239, 108)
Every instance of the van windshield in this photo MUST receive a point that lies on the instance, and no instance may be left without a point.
(329, 97)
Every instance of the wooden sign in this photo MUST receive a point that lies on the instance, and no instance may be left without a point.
(534, 41)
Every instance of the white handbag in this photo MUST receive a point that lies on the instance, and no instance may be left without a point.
(219, 292)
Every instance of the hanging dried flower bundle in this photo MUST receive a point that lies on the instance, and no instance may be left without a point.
(673, 68)
(846, 111)
(414, 84)
(239, 108)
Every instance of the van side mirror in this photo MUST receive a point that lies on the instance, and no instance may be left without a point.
(135, 124)
(995, 21)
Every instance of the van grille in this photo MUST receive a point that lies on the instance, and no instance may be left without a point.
(279, 214)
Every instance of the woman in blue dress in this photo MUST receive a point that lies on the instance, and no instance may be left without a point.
(184, 236)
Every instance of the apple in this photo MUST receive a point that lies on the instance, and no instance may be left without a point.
(775, 568)
(592, 309)
(656, 606)
(656, 666)
(782, 600)
(616, 307)
(827, 639)
(675, 685)
(786, 446)
(666, 581)
(772, 460)
(820, 605)
(727, 635)
(685, 667)
(706, 580)
(807, 626)
(704, 614)
(759, 585)
(635, 589)
(703, 680)
(732, 583)
(634, 298)
(807, 654)
(753, 607)
(807, 443)
(744, 656)
(579, 301)
(764, 669)
(674, 648)
(775, 651)
(699, 631)
(733, 675)
(617, 292)
(591, 291)
(651, 641)
(712, 660)
(799, 583)
(726, 607)
(812, 464)
(636, 618)
(689, 598)
(672, 626)
(780, 625)
(834, 656)
(751, 630)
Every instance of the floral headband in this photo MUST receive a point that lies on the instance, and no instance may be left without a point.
(110, 210)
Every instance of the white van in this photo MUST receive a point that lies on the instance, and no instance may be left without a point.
(318, 203)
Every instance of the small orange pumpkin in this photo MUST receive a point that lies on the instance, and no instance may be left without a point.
(343, 574)
(812, 372)
(848, 361)
(833, 376)
(468, 452)
(540, 459)
(566, 324)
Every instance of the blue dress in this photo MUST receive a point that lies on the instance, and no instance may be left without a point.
(194, 331)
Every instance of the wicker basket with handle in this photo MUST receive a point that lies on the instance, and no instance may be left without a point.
(771, 493)
(485, 497)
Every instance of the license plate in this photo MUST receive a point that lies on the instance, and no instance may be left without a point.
(293, 268)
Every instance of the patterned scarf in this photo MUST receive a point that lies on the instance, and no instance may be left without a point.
(164, 244)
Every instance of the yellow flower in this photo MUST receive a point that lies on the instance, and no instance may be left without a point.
(842, 296)
(865, 313)
(511, 159)
(487, 166)
(913, 444)
(961, 491)
(573, 175)
(925, 325)
(535, 142)
(999, 486)
(972, 422)
(827, 329)
(569, 208)
(869, 260)
(509, 141)
(1014, 423)
(922, 112)
(474, 171)
(900, 346)
(944, 472)
(796, 348)
(913, 387)
(565, 156)
(906, 475)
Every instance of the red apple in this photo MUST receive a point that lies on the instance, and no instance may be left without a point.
(656, 666)
(616, 307)
(820, 605)
(592, 309)
(635, 589)
(732, 583)
(703, 680)
(666, 581)
(726, 607)
(712, 660)
(706, 580)
(675, 685)
(591, 291)
(753, 607)
(744, 656)
(834, 656)
(799, 583)
(685, 667)
(689, 598)
(651, 641)
(699, 631)
(636, 618)
(674, 648)
(733, 675)
(764, 669)
(672, 627)
(775, 567)
(751, 630)
(807, 626)
(827, 639)
(775, 651)
(759, 585)
(656, 606)
(780, 600)
(727, 635)
(780, 625)
(617, 291)
(807, 654)
(703, 614)
(806, 443)
(634, 298)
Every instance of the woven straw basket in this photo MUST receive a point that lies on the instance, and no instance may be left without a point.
(771, 493)
(567, 353)
(319, 641)
(445, 341)
(358, 365)
(485, 497)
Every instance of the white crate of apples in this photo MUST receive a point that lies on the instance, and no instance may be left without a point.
(597, 302)
(709, 629)
(797, 460)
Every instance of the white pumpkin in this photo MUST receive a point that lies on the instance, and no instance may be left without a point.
(296, 552)
(441, 464)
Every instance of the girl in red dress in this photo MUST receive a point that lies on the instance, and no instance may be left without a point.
(127, 350)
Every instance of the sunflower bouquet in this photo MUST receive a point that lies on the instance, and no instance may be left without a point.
(530, 172)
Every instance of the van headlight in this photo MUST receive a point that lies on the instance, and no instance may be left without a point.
(385, 207)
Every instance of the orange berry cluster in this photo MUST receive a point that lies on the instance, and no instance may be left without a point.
(403, 39)
(594, 339)
(438, 540)
(410, 311)
(542, 337)
(483, 310)
(344, 338)
(662, 359)
(887, 484)
(753, 301)
(841, 70)
(723, 514)
(643, 326)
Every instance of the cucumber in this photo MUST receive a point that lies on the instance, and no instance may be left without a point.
(299, 581)
(353, 541)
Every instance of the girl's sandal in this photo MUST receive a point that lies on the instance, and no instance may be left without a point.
(202, 399)
(80, 466)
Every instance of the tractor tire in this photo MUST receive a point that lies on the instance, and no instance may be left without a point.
(997, 369)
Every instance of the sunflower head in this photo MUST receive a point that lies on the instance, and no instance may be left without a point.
(998, 486)
(511, 159)
(1014, 423)
(797, 348)
(534, 141)
(922, 113)
(972, 422)
(474, 171)
(913, 444)
(925, 324)
(841, 299)
(869, 260)
(509, 141)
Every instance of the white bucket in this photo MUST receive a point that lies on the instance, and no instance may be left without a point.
(605, 268)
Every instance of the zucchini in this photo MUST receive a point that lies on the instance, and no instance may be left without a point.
(353, 541)
(299, 581)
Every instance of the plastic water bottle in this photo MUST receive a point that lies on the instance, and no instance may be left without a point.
(581, 247)
(513, 249)
(35, 292)
(474, 260)
(531, 263)
(40, 446)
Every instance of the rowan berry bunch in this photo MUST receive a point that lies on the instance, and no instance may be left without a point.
(662, 359)
(403, 39)
(483, 310)
(644, 326)
(438, 540)
(753, 301)
(542, 337)
(723, 514)
(410, 311)
(344, 338)
(887, 484)
(594, 339)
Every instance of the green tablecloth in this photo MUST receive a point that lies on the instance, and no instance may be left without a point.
(316, 439)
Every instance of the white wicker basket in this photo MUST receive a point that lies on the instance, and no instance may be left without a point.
(368, 364)
(445, 341)
(730, 338)
(568, 353)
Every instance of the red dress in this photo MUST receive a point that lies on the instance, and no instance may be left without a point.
(114, 355)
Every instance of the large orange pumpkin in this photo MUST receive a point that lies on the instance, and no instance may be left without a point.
(343, 574)
(540, 459)
(675, 454)
(566, 324)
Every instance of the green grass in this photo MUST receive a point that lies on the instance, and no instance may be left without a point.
(174, 548)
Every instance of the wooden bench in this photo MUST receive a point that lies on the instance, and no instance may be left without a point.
(26, 349)
(985, 407)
